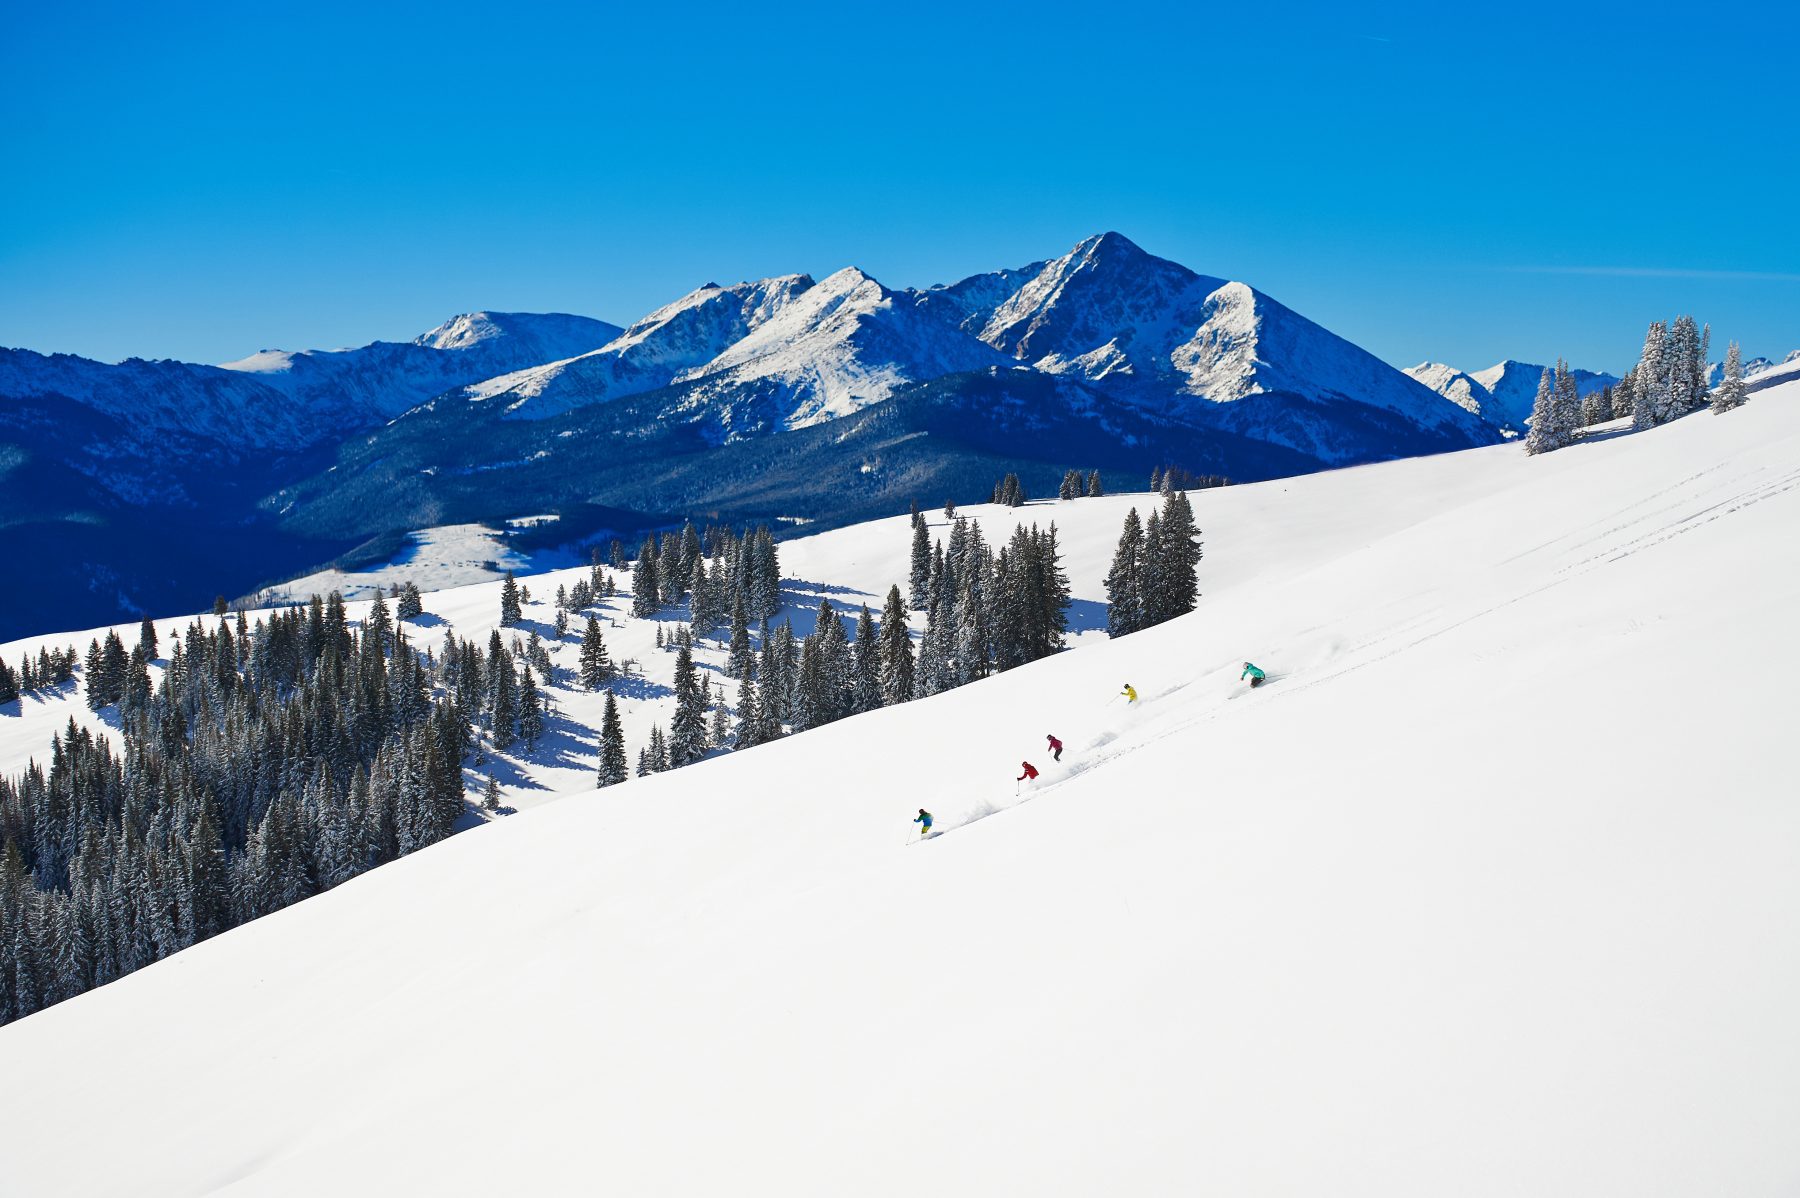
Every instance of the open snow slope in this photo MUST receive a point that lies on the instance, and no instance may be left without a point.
(1492, 891)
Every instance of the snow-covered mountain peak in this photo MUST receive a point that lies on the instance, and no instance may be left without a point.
(462, 331)
(1104, 288)
(840, 345)
(1461, 389)
(679, 337)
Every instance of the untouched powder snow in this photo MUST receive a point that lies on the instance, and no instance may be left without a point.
(1491, 891)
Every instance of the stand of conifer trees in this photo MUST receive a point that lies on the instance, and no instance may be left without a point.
(271, 762)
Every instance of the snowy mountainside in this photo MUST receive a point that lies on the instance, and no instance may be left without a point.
(1158, 334)
(155, 399)
(379, 381)
(1513, 386)
(682, 450)
(968, 303)
(652, 353)
(843, 344)
(1190, 960)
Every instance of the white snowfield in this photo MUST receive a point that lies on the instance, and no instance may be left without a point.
(1493, 890)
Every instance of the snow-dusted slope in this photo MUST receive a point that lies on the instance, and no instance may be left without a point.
(1454, 905)
(1775, 374)
(383, 379)
(1513, 386)
(1461, 389)
(675, 338)
(841, 345)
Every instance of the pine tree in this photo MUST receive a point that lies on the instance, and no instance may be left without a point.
(687, 728)
(1094, 489)
(1650, 392)
(1622, 396)
(595, 666)
(1156, 479)
(896, 651)
(1567, 404)
(832, 697)
(719, 735)
(865, 684)
(490, 795)
(147, 638)
(1544, 434)
(1730, 393)
(1596, 407)
(740, 661)
(1178, 588)
(531, 710)
(1125, 581)
(612, 745)
(411, 604)
(921, 563)
(380, 624)
(750, 718)
(503, 704)
(511, 610)
(646, 595)
(9, 684)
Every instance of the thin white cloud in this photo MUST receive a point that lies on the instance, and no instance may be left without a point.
(1656, 272)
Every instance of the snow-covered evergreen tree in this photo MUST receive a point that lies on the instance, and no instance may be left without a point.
(531, 710)
(896, 651)
(1567, 404)
(865, 677)
(1093, 485)
(613, 766)
(687, 727)
(1125, 580)
(646, 591)
(511, 610)
(1730, 392)
(740, 661)
(1650, 391)
(1544, 434)
(921, 564)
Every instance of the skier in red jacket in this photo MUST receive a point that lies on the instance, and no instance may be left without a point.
(1029, 774)
(1055, 747)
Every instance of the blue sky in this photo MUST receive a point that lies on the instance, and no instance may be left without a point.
(1456, 182)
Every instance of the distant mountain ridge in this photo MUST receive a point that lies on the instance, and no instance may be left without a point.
(1131, 358)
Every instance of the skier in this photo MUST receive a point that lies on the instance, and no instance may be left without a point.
(1130, 694)
(924, 822)
(1055, 747)
(1255, 675)
(1029, 774)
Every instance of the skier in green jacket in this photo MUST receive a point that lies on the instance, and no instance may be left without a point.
(1255, 675)
(923, 819)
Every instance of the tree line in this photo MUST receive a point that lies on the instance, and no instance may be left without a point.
(1669, 380)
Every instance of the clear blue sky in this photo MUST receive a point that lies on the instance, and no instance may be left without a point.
(1460, 182)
